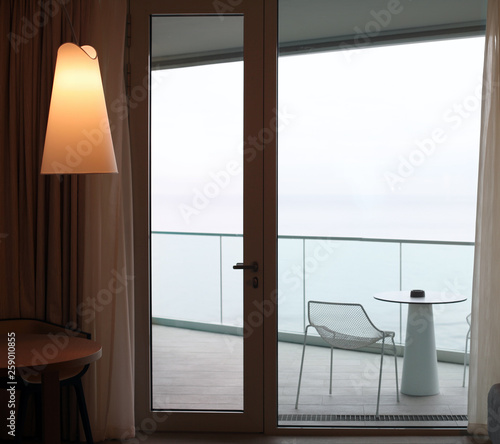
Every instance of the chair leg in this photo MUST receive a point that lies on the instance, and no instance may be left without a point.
(83, 411)
(331, 368)
(396, 368)
(380, 375)
(23, 406)
(301, 367)
(39, 415)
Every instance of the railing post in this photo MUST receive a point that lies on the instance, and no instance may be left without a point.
(401, 289)
(304, 282)
(220, 278)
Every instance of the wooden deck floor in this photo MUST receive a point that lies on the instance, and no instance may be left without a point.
(200, 370)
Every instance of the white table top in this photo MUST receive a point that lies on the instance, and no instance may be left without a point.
(431, 297)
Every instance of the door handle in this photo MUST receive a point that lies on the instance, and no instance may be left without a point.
(254, 266)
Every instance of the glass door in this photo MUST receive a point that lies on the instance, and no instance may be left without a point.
(205, 228)
(377, 174)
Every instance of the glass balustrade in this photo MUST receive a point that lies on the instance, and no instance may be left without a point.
(208, 295)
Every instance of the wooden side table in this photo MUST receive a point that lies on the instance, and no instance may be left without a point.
(48, 355)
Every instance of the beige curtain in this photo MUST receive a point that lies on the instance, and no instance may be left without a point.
(40, 240)
(485, 328)
(66, 242)
(108, 263)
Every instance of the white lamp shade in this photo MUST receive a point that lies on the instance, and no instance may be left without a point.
(78, 138)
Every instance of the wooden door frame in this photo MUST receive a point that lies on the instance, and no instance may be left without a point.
(251, 419)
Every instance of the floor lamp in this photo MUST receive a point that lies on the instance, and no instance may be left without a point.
(78, 138)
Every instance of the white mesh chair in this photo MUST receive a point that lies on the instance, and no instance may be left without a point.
(467, 339)
(345, 326)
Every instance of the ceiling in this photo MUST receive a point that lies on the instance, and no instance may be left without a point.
(305, 23)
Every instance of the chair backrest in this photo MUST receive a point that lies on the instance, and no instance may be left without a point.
(343, 325)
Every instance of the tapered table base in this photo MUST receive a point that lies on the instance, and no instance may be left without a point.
(420, 368)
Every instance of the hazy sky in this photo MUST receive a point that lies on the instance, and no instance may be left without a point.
(372, 143)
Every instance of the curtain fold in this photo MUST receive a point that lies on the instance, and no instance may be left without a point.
(485, 325)
(66, 241)
(108, 263)
(41, 246)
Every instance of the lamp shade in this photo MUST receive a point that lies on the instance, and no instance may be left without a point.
(78, 138)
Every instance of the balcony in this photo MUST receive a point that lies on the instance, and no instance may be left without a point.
(197, 308)
(213, 380)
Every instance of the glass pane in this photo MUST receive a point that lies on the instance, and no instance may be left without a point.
(377, 176)
(197, 212)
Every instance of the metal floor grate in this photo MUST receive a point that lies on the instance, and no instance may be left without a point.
(380, 418)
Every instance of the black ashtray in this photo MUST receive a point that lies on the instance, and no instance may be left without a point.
(417, 293)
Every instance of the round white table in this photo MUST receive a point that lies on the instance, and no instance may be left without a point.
(420, 370)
